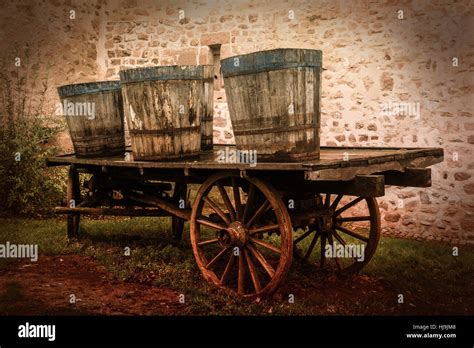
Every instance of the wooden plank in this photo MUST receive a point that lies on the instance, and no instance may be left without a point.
(362, 185)
(412, 177)
(422, 162)
(331, 159)
(162, 204)
(349, 173)
(377, 160)
(365, 185)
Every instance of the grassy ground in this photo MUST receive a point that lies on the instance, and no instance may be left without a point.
(431, 279)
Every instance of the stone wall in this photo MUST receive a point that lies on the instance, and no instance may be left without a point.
(414, 53)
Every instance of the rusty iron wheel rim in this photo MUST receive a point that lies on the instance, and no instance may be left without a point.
(339, 232)
(258, 269)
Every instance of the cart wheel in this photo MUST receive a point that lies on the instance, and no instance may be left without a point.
(177, 224)
(73, 199)
(242, 242)
(349, 224)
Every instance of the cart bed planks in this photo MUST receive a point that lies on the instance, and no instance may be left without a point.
(336, 163)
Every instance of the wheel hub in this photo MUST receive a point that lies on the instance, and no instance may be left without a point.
(327, 222)
(234, 235)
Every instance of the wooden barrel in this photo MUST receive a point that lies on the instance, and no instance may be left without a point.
(207, 116)
(94, 115)
(165, 107)
(274, 102)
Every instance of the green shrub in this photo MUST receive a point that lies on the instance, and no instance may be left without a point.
(27, 186)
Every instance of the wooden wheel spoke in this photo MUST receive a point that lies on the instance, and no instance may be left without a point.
(238, 201)
(249, 203)
(206, 222)
(265, 245)
(311, 246)
(340, 240)
(323, 251)
(226, 199)
(241, 275)
(207, 242)
(228, 268)
(258, 213)
(218, 210)
(217, 257)
(352, 233)
(264, 229)
(348, 205)
(303, 236)
(261, 259)
(253, 272)
(334, 256)
(336, 201)
(353, 218)
(338, 237)
(327, 202)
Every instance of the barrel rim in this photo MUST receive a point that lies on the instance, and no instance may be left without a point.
(167, 72)
(75, 89)
(269, 60)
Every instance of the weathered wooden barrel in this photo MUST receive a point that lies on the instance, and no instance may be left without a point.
(94, 115)
(274, 102)
(207, 115)
(165, 108)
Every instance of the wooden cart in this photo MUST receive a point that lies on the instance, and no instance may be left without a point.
(248, 221)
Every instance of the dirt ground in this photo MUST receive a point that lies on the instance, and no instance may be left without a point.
(44, 287)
